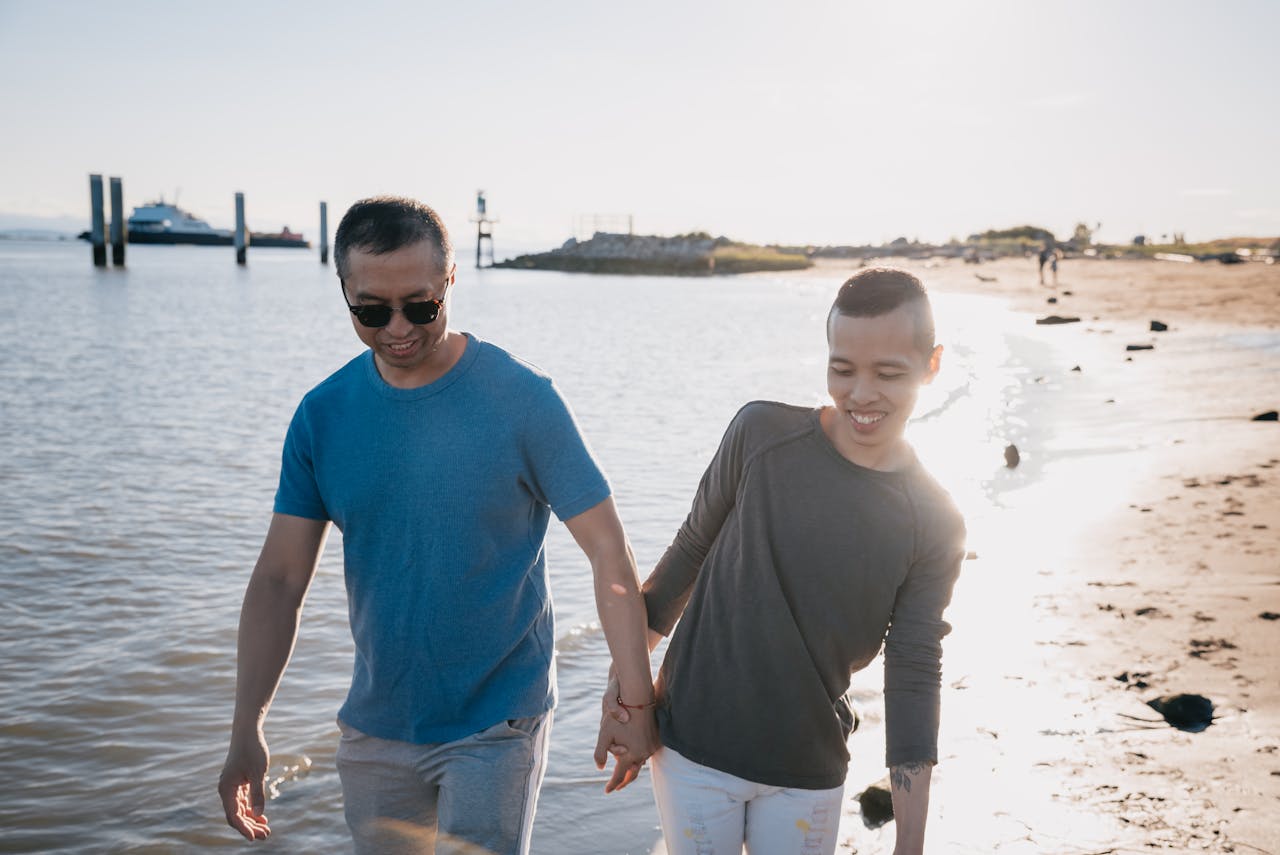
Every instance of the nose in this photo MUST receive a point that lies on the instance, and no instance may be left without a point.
(864, 389)
(399, 325)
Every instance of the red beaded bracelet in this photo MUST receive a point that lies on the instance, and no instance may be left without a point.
(647, 706)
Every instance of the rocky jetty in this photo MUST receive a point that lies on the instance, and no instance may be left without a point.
(696, 254)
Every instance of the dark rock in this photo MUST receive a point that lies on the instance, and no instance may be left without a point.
(876, 803)
(1011, 456)
(1139, 347)
(1049, 320)
(1268, 416)
(1067, 293)
(1157, 326)
(1192, 713)
(1077, 368)
(1052, 300)
(1269, 616)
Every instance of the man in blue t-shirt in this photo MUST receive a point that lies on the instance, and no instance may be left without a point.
(440, 457)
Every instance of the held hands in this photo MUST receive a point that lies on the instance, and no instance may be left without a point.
(630, 735)
(242, 787)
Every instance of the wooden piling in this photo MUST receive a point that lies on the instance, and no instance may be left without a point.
(241, 234)
(324, 232)
(97, 228)
(119, 229)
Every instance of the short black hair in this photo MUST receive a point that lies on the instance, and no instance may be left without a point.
(877, 291)
(383, 224)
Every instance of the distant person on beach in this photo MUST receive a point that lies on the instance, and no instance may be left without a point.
(815, 536)
(440, 457)
(1046, 252)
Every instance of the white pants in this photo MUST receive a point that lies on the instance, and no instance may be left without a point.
(708, 812)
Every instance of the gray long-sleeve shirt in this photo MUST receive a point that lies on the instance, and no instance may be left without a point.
(792, 568)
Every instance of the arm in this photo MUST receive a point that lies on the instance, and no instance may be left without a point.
(913, 679)
(669, 586)
(599, 533)
(909, 789)
(268, 628)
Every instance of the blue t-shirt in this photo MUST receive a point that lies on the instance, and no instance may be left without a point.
(443, 494)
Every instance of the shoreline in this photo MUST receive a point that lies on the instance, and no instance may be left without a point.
(1103, 290)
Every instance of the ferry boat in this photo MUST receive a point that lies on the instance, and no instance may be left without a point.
(162, 223)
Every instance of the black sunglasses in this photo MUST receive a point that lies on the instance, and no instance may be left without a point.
(379, 315)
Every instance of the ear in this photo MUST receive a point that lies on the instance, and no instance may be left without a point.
(935, 362)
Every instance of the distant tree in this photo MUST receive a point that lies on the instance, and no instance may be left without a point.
(1083, 235)
(1140, 240)
(1035, 234)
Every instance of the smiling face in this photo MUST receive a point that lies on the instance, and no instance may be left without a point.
(875, 369)
(407, 355)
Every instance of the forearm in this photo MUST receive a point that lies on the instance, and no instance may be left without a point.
(622, 616)
(909, 787)
(269, 622)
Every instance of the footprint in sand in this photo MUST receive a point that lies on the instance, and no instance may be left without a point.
(1201, 647)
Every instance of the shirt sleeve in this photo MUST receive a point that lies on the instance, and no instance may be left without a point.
(561, 471)
(299, 494)
(913, 646)
(669, 586)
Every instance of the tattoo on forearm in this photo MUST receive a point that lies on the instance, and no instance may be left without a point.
(900, 776)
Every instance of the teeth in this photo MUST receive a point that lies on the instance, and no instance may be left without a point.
(867, 419)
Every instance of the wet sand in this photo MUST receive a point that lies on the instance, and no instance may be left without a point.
(1142, 563)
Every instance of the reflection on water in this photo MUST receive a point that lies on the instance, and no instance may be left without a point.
(142, 420)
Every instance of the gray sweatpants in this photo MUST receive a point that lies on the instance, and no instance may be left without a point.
(474, 796)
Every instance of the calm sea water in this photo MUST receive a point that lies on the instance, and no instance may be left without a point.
(143, 412)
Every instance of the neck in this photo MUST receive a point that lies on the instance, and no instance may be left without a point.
(442, 356)
(889, 457)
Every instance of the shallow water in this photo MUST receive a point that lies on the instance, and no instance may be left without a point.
(143, 412)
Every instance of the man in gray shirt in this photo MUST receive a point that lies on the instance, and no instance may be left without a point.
(815, 537)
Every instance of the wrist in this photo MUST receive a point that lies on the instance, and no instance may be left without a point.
(647, 705)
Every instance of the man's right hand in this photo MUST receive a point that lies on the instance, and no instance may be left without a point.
(242, 787)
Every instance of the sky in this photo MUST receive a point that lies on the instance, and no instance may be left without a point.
(800, 122)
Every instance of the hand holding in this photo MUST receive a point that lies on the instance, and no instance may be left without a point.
(631, 741)
(609, 704)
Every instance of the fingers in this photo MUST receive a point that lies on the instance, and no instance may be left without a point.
(240, 813)
(257, 795)
(611, 706)
(624, 773)
(602, 744)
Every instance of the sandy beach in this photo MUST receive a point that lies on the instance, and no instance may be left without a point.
(1142, 564)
